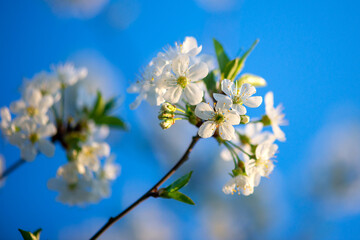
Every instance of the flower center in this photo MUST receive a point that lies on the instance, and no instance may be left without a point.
(34, 138)
(266, 120)
(72, 186)
(219, 118)
(31, 111)
(182, 81)
(237, 100)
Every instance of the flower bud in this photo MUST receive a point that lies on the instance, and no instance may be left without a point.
(254, 80)
(244, 119)
(167, 107)
(167, 123)
(165, 115)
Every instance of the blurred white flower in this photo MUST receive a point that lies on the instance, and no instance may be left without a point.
(221, 118)
(275, 116)
(46, 83)
(33, 105)
(77, 8)
(33, 139)
(71, 193)
(68, 75)
(90, 154)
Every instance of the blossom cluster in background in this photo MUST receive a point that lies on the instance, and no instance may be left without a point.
(190, 87)
(56, 109)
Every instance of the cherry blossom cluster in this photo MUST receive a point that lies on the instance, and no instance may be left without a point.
(56, 109)
(216, 100)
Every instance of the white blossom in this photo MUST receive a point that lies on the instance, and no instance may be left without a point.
(242, 183)
(180, 81)
(219, 118)
(68, 75)
(101, 184)
(148, 86)
(71, 193)
(46, 83)
(238, 96)
(253, 133)
(33, 105)
(91, 153)
(264, 164)
(33, 139)
(275, 116)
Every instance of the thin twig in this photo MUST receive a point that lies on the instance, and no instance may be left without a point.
(12, 168)
(153, 192)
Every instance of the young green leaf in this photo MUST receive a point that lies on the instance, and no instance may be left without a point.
(234, 67)
(179, 183)
(111, 121)
(180, 197)
(210, 83)
(222, 58)
(99, 106)
(29, 235)
(110, 105)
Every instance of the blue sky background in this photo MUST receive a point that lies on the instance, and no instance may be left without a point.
(309, 53)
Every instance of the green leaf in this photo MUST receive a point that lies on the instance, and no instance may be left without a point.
(29, 235)
(179, 183)
(37, 233)
(110, 105)
(234, 67)
(222, 58)
(210, 83)
(180, 197)
(111, 121)
(99, 106)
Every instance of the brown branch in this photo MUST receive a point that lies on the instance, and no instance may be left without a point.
(12, 168)
(153, 192)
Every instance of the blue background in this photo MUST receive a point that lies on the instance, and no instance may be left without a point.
(309, 53)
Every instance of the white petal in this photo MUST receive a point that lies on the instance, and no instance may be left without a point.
(18, 106)
(207, 129)
(204, 111)
(5, 115)
(269, 101)
(33, 97)
(279, 134)
(198, 71)
(45, 103)
(173, 94)
(253, 102)
(226, 131)
(232, 117)
(137, 101)
(190, 47)
(239, 108)
(228, 87)
(47, 130)
(41, 118)
(46, 147)
(193, 94)
(180, 65)
(246, 91)
(28, 152)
